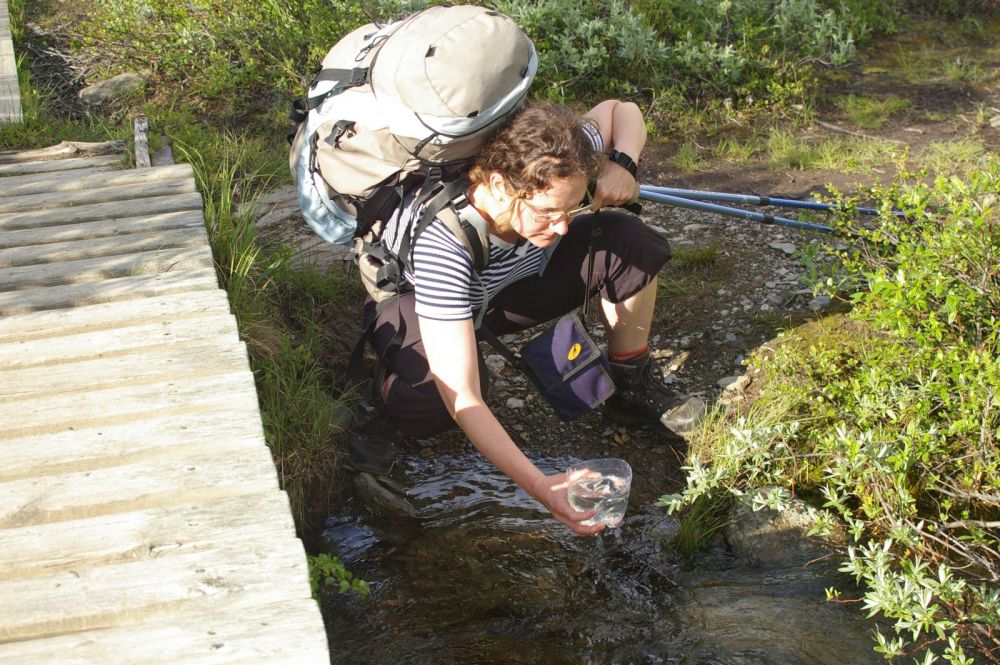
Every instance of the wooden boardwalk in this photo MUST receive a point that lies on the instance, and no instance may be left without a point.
(10, 93)
(140, 515)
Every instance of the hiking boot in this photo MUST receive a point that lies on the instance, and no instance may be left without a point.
(642, 398)
(382, 495)
(369, 442)
(369, 453)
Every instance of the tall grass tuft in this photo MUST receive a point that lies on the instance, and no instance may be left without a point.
(868, 112)
(302, 401)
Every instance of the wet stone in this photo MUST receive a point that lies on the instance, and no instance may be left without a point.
(770, 538)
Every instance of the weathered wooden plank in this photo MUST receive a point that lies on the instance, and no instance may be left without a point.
(145, 534)
(181, 362)
(289, 633)
(101, 228)
(36, 183)
(72, 250)
(187, 477)
(219, 325)
(141, 133)
(20, 168)
(10, 101)
(10, 93)
(64, 150)
(96, 211)
(209, 424)
(106, 267)
(86, 178)
(105, 316)
(228, 579)
(123, 404)
(79, 197)
(123, 288)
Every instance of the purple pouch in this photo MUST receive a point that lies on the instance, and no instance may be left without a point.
(568, 368)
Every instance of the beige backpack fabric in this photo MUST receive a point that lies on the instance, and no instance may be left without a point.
(402, 104)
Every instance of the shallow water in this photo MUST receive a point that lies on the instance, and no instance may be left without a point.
(484, 577)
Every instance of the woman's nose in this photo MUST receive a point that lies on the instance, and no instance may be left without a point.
(560, 226)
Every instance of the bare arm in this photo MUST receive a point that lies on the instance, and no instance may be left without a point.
(622, 128)
(451, 353)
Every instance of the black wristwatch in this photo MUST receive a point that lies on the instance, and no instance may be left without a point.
(625, 162)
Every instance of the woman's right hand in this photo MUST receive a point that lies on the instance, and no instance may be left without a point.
(551, 492)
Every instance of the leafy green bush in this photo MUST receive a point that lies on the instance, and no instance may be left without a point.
(756, 48)
(245, 59)
(327, 570)
(233, 60)
(892, 417)
(590, 50)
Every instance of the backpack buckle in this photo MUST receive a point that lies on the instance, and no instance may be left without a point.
(359, 76)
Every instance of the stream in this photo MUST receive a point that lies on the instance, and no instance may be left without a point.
(483, 576)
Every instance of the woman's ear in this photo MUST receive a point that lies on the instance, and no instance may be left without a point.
(499, 188)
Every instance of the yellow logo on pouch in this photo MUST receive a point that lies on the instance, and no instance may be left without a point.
(574, 351)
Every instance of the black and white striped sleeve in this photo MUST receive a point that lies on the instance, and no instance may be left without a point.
(442, 275)
(594, 134)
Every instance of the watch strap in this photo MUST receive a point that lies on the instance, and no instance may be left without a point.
(625, 162)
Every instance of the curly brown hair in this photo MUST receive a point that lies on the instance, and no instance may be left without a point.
(541, 143)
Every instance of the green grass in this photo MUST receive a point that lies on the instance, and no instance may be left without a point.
(41, 126)
(869, 112)
(689, 259)
(963, 71)
(738, 150)
(952, 156)
(287, 316)
(687, 157)
(700, 522)
(935, 116)
(853, 155)
(786, 151)
(692, 271)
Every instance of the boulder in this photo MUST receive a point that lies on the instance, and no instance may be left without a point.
(777, 539)
(112, 88)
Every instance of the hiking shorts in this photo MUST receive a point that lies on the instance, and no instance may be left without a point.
(627, 257)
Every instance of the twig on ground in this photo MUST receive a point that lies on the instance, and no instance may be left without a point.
(859, 135)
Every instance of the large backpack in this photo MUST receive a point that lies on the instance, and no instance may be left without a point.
(405, 105)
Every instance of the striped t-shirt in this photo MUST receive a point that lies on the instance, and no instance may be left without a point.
(447, 288)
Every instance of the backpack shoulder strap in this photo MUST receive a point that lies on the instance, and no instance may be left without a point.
(470, 228)
(447, 202)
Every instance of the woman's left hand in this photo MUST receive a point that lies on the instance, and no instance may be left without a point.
(615, 187)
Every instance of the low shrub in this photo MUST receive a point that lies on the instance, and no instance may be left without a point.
(891, 416)
(243, 61)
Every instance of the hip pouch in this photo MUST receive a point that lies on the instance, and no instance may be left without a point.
(568, 368)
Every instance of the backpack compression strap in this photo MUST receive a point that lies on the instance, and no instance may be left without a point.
(342, 79)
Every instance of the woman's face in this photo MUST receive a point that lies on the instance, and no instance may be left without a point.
(541, 218)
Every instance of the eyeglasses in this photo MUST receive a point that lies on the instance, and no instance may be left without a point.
(555, 216)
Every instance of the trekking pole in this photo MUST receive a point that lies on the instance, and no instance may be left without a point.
(649, 195)
(751, 199)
